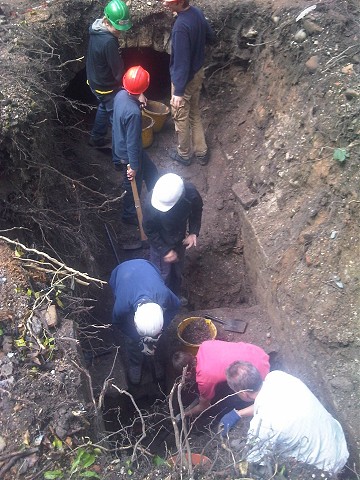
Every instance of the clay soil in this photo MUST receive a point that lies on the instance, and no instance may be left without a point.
(282, 123)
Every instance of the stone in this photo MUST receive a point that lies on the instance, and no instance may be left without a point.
(341, 383)
(244, 195)
(312, 64)
(51, 316)
(300, 36)
(311, 27)
(350, 93)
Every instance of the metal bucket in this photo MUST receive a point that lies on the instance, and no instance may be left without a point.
(192, 347)
(158, 112)
(147, 134)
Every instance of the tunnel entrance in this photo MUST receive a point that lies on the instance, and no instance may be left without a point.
(156, 63)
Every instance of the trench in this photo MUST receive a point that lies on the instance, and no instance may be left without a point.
(226, 275)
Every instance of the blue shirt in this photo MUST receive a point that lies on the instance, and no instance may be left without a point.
(134, 281)
(127, 129)
(190, 33)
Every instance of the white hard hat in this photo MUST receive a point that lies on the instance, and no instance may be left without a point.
(167, 191)
(149, 319)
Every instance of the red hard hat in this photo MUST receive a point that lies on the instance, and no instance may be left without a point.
(136, 80)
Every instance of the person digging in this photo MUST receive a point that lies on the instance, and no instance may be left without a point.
(143, 309)
(208, 369)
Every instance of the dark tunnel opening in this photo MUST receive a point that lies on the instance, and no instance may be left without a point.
(156, 63)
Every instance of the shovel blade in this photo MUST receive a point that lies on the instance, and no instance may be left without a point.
(238, 326)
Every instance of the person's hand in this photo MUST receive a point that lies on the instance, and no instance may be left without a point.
(171, 257)
(176, 101)
(130, 173)
(142, 100)
(190, 241)
(229, 421)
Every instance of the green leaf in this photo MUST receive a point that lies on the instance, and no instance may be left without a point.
(87, 460)
(158, 461)
(89, 474)
(1, 332)
(77, 460)
(50, 474)
(59, 302)
(29, 292)
(20, 342)
(57, 443)
(340, 154)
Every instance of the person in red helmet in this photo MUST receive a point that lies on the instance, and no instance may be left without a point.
(126, 139)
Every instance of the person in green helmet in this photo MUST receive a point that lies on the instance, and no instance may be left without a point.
(105, 66)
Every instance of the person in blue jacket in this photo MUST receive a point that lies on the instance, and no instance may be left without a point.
(190, 33)
(105, 66)
(143, 309)
(127, 142)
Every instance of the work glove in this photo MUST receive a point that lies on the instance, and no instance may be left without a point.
(148, 345)
(229, 421)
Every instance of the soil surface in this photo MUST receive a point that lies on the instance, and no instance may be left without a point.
(196, 332)
(279, 245)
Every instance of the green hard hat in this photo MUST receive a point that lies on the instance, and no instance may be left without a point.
(117, 12)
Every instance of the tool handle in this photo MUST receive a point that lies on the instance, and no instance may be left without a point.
(137, 207)
(214, 319)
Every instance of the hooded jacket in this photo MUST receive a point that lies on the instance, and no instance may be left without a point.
(104, 64)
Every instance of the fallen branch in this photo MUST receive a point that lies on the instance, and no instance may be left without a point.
(53, 260)
(14, 458)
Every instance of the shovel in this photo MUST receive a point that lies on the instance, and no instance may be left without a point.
(238, 326)
(143, 243)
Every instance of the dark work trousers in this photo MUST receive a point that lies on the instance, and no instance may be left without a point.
(148, 173)
(104, 114)
(134, 353)
(170, 272)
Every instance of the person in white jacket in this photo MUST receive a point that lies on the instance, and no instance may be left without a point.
(288, 419)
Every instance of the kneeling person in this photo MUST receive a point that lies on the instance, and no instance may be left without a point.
(209, 369)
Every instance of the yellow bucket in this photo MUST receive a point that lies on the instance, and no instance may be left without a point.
(192, 347)
(158, 112)
(147, 134)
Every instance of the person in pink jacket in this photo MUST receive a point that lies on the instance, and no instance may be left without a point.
(209, 369)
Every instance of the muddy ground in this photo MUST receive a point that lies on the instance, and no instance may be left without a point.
(280, 234)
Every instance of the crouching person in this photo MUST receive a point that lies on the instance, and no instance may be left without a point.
(288, 420)
(143, 309)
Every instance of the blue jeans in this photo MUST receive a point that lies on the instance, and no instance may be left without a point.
(148, 173)
(104, 114)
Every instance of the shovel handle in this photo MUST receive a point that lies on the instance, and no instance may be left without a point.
(137, 207)
(214, 319)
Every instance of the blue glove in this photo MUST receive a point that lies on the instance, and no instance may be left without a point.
(228, 421)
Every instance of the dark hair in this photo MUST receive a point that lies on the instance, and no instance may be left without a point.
(181, 360)
(243, 376)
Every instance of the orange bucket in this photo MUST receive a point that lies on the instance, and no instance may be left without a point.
(192, 347)
(158, 112)
(147, 134)
(196, 459)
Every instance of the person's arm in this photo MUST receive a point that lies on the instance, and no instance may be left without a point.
(133, 142)
(200, 407)
(229, 420)
(171, 307)
(180, 67)
(196, 210)
(115, 61)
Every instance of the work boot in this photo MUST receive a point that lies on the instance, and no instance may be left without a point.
(134, 374)
(203, 159)
(178, 158)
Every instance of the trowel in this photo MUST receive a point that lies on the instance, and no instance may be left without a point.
(238, 326)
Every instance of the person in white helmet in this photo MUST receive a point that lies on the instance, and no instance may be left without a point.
(172, 222)
(143, 309)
